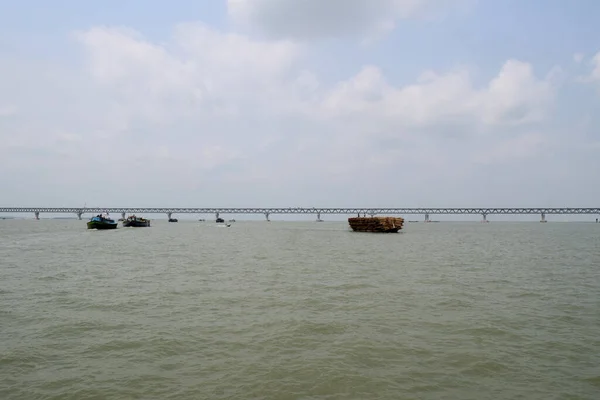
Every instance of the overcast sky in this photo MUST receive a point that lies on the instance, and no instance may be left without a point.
(358, 103)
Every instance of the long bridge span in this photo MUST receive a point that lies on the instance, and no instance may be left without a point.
(318, 211)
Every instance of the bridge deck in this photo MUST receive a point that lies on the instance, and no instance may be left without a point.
(298, 210)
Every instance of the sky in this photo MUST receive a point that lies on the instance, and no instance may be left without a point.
(287, 103)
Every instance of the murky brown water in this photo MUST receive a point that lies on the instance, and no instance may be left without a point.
(299, 311)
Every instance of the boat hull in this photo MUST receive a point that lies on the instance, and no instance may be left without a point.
(101, 225)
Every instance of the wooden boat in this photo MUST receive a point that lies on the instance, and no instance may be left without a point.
(376, 224)
(102, 222)
(219, 220)
(136, 222)
(173, 220)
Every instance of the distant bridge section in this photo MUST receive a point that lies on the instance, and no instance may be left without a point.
(483, 211)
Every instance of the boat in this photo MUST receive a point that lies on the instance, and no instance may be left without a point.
(219, 220)
(136, 222)
(376, 224)
(173, 220)
(102, 221)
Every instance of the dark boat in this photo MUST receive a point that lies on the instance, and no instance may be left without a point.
(219, 220)
(101, 222)
(173, 219)
(136, 222)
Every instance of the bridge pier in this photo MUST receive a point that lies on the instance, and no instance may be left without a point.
(267, 217)
(543, 217)
(37, 214)
(169, 214)
(426, 217)
(319, 217)
(79, 214)
(123, 215)
(484, 218)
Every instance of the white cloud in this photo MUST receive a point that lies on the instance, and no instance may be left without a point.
(310, 19)
(6, 111)
(520, 147)
(199, 69)
(208, 116)
(595, 74)
(514, 96)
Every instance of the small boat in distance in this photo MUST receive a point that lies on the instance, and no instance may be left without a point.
(102, 221)
(136, 222)
(219, 220)
(173, 220)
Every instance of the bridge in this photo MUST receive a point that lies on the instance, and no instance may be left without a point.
(484, 212)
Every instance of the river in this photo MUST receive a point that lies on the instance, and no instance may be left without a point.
(299, 310)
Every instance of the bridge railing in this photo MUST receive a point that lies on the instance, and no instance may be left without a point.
(298, 210)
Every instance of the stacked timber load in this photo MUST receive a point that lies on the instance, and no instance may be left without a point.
(376, 224)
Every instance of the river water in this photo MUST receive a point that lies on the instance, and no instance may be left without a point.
(299, 310)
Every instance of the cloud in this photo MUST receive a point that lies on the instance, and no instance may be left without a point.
(595, 74)
(7, 111)
(592, 76)
(520, 147)
(196, 70)
(313, 19)
(514, 96)
(220, 118)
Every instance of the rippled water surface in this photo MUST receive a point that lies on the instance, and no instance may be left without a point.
(299, 310)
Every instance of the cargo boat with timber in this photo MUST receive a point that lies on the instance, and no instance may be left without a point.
(376, 224)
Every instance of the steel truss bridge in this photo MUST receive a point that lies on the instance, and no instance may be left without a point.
(484, 212)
